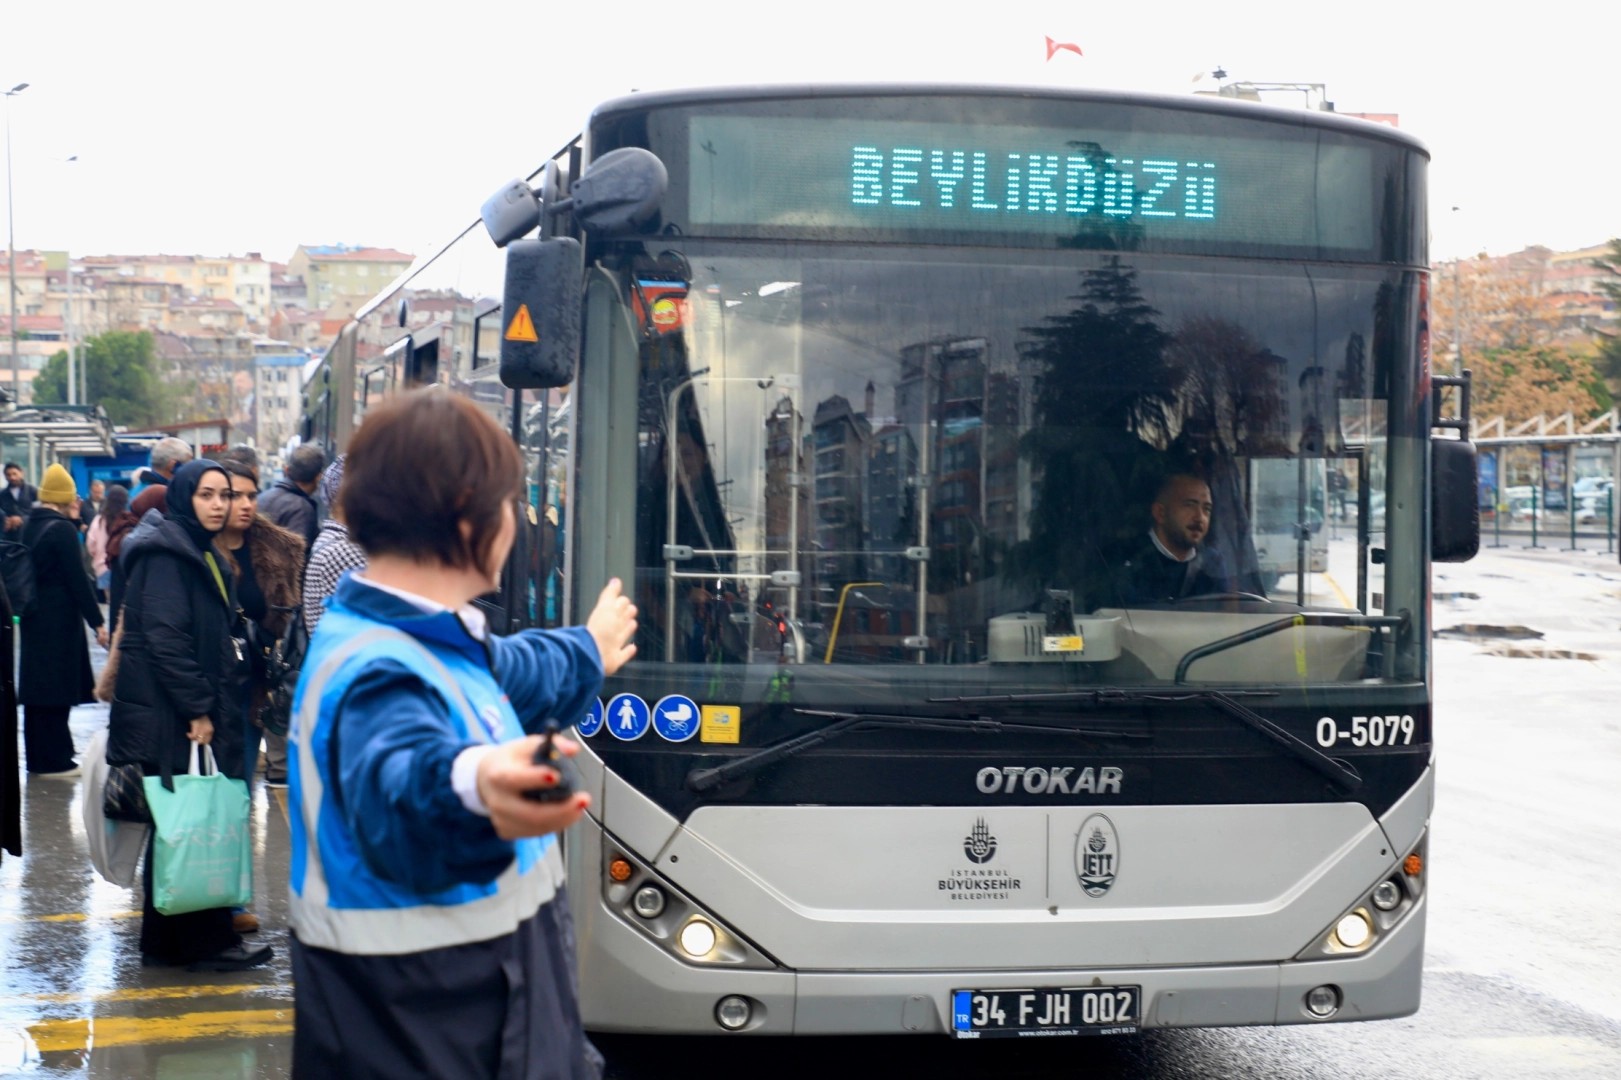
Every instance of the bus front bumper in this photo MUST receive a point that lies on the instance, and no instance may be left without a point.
(630, 985)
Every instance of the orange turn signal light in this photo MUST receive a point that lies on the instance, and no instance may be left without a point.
(619, 870)
(1413, 865)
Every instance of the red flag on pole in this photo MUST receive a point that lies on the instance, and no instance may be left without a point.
(1055, 46)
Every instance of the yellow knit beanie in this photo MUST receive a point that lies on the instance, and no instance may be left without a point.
(58, 487)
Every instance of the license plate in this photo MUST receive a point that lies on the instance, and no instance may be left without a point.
(1073, 1010)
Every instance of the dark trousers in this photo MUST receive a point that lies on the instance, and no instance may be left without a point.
(180, 939)
(46, 738)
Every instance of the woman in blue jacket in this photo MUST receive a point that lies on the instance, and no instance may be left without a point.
(431, 935)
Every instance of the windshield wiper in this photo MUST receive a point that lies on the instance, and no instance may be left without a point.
(1338, 771)
(702, 780)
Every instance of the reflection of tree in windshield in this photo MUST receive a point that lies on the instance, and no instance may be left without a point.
(1103, 376)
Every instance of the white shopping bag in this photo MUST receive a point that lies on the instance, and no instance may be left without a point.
(115, 846)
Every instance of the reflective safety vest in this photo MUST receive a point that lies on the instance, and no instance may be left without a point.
(337, 902)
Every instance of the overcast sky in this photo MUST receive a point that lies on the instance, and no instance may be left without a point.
(222, 128)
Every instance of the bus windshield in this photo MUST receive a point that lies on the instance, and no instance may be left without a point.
(968, 466)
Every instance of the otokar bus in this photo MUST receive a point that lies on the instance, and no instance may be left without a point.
(869, 392)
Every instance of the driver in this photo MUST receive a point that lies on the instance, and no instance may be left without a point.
(1176, 562)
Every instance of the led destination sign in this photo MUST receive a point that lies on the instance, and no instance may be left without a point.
(1269, 185)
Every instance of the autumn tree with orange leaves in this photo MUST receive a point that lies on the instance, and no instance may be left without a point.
(1495, 314)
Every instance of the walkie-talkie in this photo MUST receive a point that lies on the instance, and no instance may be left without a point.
(568, 777)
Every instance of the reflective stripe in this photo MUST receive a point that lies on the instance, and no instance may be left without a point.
(396, 931)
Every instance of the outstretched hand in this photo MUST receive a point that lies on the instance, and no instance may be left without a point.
(612, 624)
(507, 772)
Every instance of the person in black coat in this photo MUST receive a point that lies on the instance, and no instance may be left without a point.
(177, 656)
(55, 655)
(11, 796)
(16, 498)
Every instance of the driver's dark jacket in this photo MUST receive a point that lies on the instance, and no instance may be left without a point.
(1148, 577)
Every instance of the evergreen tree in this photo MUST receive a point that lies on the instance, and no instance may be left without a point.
(1609, 358)
(120, 375)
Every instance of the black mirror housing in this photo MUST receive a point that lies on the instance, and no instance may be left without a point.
(510, 213)
(1454, 503)
(620, 192)
(540, 313)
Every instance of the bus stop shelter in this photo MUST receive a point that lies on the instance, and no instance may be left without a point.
(38, 436)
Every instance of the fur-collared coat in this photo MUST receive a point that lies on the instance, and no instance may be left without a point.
(277, 555)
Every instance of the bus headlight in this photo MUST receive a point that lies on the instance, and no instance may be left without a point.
(697, 939)
(1353, 931)
(1376, 912)
(648, 901)
(657, 909)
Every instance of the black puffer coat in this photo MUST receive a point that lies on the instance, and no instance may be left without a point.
(177, 654)
(55, 655)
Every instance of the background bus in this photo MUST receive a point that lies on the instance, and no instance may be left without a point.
(867, 391)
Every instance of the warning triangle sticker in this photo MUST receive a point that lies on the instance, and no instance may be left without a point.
(522, 327)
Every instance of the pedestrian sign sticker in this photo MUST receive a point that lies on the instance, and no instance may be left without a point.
(675, 718)
(591, 722)
(627, 717)
(721, 724)
(522, 327)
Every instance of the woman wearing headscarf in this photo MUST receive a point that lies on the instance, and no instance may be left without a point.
(113, 507)
(178, 655)
(55, 664)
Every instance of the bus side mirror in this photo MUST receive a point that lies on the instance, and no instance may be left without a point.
(540, 313)
(1454, 501)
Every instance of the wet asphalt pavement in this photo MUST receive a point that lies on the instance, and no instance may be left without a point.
(1521, 968)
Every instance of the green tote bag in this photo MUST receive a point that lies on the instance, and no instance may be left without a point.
(202, 853)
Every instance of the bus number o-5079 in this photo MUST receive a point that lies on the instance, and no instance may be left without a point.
(1367, 731)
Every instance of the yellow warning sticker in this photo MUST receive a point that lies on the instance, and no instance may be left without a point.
(522, 327)
(720, 723)
(1062, 643)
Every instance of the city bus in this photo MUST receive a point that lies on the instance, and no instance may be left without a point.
(867, 393)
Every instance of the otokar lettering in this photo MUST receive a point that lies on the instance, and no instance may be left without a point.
(1037, 780)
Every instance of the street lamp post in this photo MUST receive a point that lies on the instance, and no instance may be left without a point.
(11, 251)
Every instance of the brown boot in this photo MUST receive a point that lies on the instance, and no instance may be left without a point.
(245, 922)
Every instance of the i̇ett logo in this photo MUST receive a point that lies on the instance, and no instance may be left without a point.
(1097, 855)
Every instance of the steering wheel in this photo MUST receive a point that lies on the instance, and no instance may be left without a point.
(1225, 596)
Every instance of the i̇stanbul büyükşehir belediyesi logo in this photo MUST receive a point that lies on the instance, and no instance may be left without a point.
(979, 845)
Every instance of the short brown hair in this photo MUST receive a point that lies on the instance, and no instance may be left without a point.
(421, 464)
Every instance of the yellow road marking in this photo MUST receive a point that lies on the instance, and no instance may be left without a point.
(53, 1036)
(148, 993)
(1345, 601)
(70, 916)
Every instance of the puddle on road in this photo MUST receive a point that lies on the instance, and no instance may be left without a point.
(1503, 641)
(1480, 631)
(1536, 652)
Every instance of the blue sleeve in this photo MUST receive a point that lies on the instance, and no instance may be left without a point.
(396, 743)
(547, 673)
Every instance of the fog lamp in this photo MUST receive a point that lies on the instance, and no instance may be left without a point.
(1386, 895)
(1353, 931)
(648, 901)
(1323, 1001)
(697, 938)
(733, 1012)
